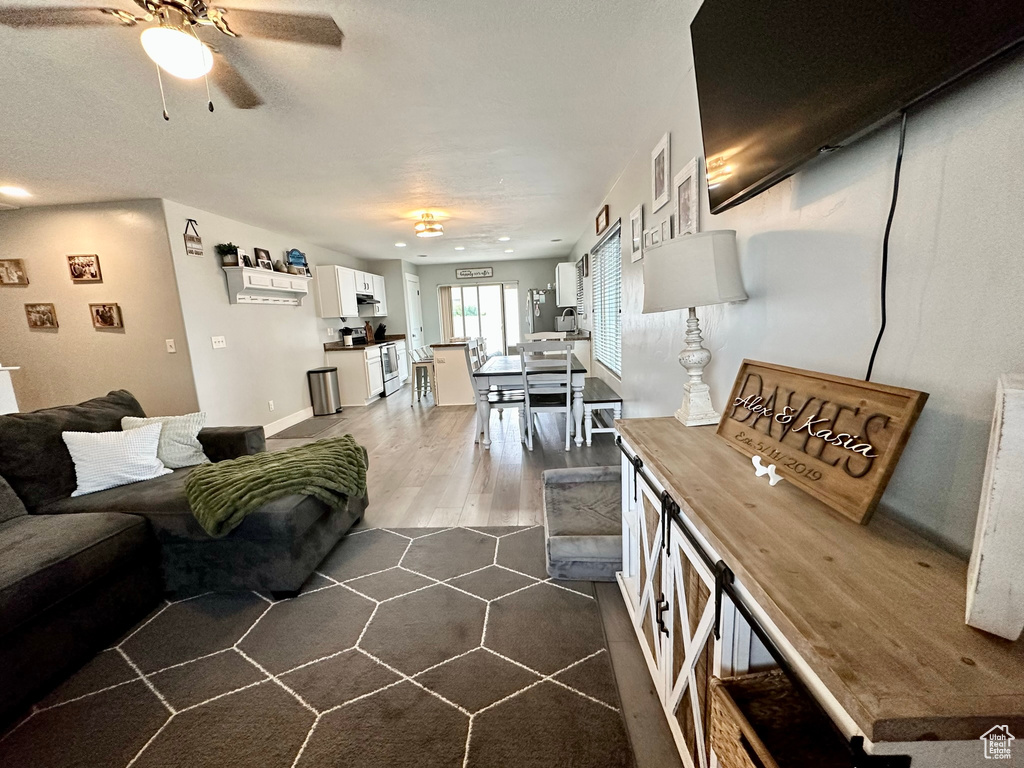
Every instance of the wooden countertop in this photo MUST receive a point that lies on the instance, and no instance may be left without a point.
(876, 611)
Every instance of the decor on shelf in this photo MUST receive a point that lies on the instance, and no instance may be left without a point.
(601, 222)
(666, 230)
(106, 316)
(636, 233)
(655, 236)
(261, 254)
(85, 268)
(296, 263)
(41, 316)
(835, 438)
(995, 583)
(280, 267)
(193, 242)
(12, 272)
(427, 226)
(660, 165)
(228, 253)
(471, 273)
(264, 264)
(687, 273)
(245, 260)
(687, 200)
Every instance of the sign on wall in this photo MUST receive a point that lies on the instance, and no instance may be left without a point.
(474, 273)
(837, 439)
(193, 243)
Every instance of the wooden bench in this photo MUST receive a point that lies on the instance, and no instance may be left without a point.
(599, 396)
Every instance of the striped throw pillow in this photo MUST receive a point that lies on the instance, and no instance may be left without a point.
(179, 441)
(109, 459)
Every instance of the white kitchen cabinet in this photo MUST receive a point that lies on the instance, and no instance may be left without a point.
(380, 294)
(336, 291)
(364, 282)
(565, 284)
(403, 363)
(374, 373)
(360, 375)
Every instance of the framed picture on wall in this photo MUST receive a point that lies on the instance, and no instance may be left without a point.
(12, 272)
(41, 316)
(687, 199)
(636, 233)
(660, 169)
(601, 222)
(85, 268)
(106, 316)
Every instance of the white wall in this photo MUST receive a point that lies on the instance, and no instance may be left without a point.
(77, 361)
(269, 348)
(810, 252)
(530, 273)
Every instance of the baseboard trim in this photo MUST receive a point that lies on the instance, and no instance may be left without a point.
(288, 421)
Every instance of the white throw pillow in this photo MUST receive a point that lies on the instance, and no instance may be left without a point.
(108, 459)
(179, 441)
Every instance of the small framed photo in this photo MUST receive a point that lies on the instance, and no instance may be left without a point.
(636, 233)
(647, 239)
(106, 316)
(586, 265)
(660, 165)
(41, 316)
(687, 199)
(655, 236)
(601, 222)
(666, 230)
(12, 272)
(245, 260)
(85, 268)
(262, 254)
(265, 264)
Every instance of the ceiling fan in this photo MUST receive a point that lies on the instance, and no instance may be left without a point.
(170, 38)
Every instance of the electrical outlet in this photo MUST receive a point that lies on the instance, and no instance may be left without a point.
(219, 342)
(170, 346)
(439, 359)
(330, 331)
(270, 404)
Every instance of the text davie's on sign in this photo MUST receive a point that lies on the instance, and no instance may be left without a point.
(838, 439)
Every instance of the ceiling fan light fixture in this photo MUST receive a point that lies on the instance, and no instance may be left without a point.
(428, 227)
(177, 52)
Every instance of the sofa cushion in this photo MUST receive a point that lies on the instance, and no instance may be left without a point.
(179, 443)
(46, 558)
(108, 459)
(33, 457)
(162, 501)
(10, 505)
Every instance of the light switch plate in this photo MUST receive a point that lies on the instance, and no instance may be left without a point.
(219, 342)
(170, 346)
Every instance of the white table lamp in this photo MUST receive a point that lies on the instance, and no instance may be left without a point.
(688, 272)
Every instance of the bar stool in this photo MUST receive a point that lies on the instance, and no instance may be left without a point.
(422, 371)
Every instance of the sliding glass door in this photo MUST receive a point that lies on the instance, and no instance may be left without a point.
(487, 309)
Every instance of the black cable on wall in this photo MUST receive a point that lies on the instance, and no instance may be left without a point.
(885, 243)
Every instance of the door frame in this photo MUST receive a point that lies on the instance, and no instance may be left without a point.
(407, 283)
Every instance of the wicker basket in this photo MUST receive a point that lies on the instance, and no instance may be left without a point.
(762, 721)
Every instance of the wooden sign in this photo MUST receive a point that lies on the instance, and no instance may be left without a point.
(474, 273)
(837, 439)
(193, 243)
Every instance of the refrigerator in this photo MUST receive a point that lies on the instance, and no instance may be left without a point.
(541, 309)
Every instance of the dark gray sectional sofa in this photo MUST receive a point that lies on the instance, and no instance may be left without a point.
(75, 573)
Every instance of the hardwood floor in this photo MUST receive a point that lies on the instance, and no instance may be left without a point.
(426, 470)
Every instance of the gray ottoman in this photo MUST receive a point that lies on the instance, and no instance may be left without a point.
(583, 523)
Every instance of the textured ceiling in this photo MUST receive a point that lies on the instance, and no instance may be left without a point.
(511, 118)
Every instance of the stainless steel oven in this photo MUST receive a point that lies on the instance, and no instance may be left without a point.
(389, 363)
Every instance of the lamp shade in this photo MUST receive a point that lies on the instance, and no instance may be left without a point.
(693, 271)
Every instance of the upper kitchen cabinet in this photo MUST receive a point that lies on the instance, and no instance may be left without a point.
(344, 292)
(565, 284)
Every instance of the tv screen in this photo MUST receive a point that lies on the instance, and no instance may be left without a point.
(780, 81)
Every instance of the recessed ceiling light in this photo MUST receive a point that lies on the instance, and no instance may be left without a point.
(556, 240)
(460, 247)
(15, 192)
(504, 239)
(422, 255)
(399, 245)
(509, 250)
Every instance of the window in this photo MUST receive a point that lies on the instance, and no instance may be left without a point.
(470, 311)
(606, 266)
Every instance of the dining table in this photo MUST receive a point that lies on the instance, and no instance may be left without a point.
(506, 372)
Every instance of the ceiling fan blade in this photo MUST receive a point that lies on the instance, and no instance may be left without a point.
(288, 27)
(231, 83)
(61, 17)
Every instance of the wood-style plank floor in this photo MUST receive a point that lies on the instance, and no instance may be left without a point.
(426, 470)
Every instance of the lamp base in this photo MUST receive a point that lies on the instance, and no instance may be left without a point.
(696, 410)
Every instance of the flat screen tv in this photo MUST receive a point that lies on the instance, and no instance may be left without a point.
(779, 81)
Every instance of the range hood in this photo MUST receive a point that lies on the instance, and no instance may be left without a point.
(364, 299)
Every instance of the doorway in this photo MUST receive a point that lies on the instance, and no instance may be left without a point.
(414, 311)
(489, 310)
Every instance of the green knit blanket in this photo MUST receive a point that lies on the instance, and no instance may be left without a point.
(222, 494)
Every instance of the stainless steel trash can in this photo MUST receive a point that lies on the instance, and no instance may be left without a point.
(323, 391)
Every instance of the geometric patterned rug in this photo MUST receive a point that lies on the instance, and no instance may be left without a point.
(409, 647)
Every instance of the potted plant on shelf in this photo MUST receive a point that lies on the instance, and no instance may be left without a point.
(228, 253)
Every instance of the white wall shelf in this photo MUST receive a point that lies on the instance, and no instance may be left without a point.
(261, 286)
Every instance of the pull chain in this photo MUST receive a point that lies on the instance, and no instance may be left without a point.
(206, 75)
(163, 99)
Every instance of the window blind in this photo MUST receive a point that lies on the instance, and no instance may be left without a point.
(579, 289)
(606, 266)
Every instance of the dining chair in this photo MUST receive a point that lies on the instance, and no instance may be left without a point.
(547, 383)
(499, 399)
(422, 371)
(545, 336)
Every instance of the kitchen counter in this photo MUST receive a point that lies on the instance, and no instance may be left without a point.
(339, 346)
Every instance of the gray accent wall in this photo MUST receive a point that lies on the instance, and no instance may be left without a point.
(77, 361)
(810, 252)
